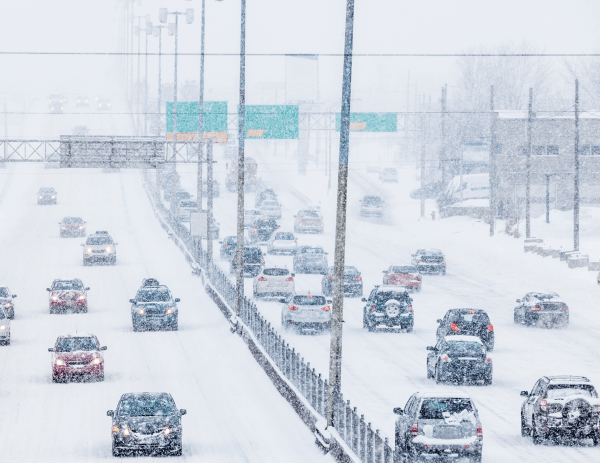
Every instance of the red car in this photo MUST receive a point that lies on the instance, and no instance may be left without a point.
(67, 295)
(72, 226)
(403, 275)
(77, 355)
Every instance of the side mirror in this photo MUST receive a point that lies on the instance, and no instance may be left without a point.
(14, 295)
(220, 242)
(47, 289)
(524, 394)
(183, 411)
(294, 216)
(282, 300)
(364, 299)
(132, 301)
(50, 349)
(116, 244)
(384, 271)
(87, 289)
(110, 413)
(439, 320)
(82, 244)
(518, 300)
(293, 275)
(103, 348)
(329, 301)
(430, 348)
(398, 411)
(177, 299)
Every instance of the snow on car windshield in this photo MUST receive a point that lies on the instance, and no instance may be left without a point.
(309, 300)
(276, 272)
(284, 236)
(404, 269)
(147, 407)
(153, 295)
(67, 285)
(309, 214)
(558, 391)
(4, 292)
(465, 347)
(98, 240)
(439, 408)
(76, 344)
(72, 220)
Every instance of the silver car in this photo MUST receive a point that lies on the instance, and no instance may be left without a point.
(282, 243)
(4, 328)
(306, 312)
(272, 282)
(99, 247)
(250, 217)
(270, 209)
(309, 220)
(6, 301)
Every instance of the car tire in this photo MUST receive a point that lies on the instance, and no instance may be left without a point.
(135, 327)
(174, 326)
(517, 318)
(525, 431)
(84, 310)
(100, 378)
(475, 459)
(177, 452)
(85, 262)
(115, 451)
(429, 375)
(444, 272)
(535, 437)
(409, 328)
(487, 381)
(595, 439)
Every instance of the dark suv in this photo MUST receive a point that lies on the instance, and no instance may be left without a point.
(228, 247)
(389, 307)
(262, 230)
(560, 407)
(353, 284)
(469, 322)
(310, 259)
(429, 261)
(146, 422)
(547, 309)
(459, 358)
(253, 261)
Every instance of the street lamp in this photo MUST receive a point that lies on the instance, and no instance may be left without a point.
(173, 30)
(138, 31)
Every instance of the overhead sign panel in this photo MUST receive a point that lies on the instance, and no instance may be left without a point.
(370, 122)
(272, 122)
(215, 121)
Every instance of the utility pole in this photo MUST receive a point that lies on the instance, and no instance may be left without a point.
(576, 179)
(337, 313)
(137, 87)
(528, 167)
(423, 166)
(209, 206)
(492, 163)
(201, 115)
(548, 198)
(239, 281)
(443, 150)
(148, 32)
(157, 32)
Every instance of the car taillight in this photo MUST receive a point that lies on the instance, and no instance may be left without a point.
(471, 312)
(537, 308)
(358, 278)
(296, 241)
(564, 309)
(115, 429)
(543, 405)
(330, 278)
(418, 278)
(443, 261)
(289, 279)
(327, 308)
(262, 279)
(293, 307)
(446, 358)
(227, 246)
(255, 229)
(414, 429)
(262, 261)
(300, 220)
(598, 408)
(372, 307)
(410, 308)
(420, 260)
(479, 430)
(488, 360)
(454, 327)
(490, 328)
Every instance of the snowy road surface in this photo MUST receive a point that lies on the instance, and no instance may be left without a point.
(234, 412)
(382, 370)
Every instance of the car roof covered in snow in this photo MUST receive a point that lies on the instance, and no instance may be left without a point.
(566, 379)
(77, 335)
(396, 289)
(545, 295)
(452, 393)
(462, 338)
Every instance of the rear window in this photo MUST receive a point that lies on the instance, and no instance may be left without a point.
(276, 272)
(312, 251)
(67, 285)
(350, 271)
(372, 200)
(284, 236)
(470, 317)
(309, 214)
(465, 347)
(270, 203)
(251, 213)
(309, 300)
(266, 224)
(72, 220)
(98, 240)
(559, 391)
(47, 190)
(404, 269)
(252, 252)
(384, 296)
(440, 408)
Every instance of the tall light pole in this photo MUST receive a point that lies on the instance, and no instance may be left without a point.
(139, 30)
(239, 281)
(337, 313)
(173, 30)
(157, 32)
(528, 167)
(576, 179)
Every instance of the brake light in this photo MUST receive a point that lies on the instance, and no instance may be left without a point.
(309, 295)
(488, 360)
(490, 328)
(358, 278)
(262, 261)
(410, 308)
(289, 279)
(227, 246)
(255, 229)
(479, 430)
(293, 307)
(471, 311)
(543, 405)
(564, 309)
(414, 429)
(300, 220)
(537, 308)
(327, 308)
(372, 307)
(446, 358)
(420, 260)
(330, 278)
(262, 279)
(443, 261)
(454, 327)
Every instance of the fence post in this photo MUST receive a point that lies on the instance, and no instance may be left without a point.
(308, 383)
(319, 393)
(387, 451)
(340, 420)
(313, 393)
(362, 439)
(325, 401)
(348, 431)
(369, 444)
(354, 445)
(378, 444)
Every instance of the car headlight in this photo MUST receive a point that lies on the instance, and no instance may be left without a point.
(97, 361)
(125, 431)
(59, 362)
(53, 197)
(64, 228)
(81, 228)
(89, 250)
(8, 304)
(82, 297)
(140, 311)
(54, 298)
(108, 249)
(40, 197)
(169, 310)
(167, 431)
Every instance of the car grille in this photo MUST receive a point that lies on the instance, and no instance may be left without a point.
(78, 363)
(155, 313)
(431, 260)
(97, 251)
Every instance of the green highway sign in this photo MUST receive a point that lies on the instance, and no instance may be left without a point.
(266, 122)
(215, 121)
(370, 122)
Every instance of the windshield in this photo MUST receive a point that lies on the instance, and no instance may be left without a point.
(76, 344)
(147, 407)
(465, 348)
(351, 271)
(250, 213)
(156, 294)
(309, 214)
(47, 190)
(72, 220)
(438, 409)
(284, 236)
(404, 269)
(67, 285)
(557, 391)
(309, 300)
(276, 272)
(266, 224)
(372, 200)
(542, 296)
(384, 296)
(98, 240)
(270, 203)
(4, 292)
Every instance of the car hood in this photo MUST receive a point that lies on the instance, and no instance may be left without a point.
(148, 424)
(81, 355)
(155, 305)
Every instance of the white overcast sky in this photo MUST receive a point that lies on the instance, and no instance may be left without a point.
(283, 26)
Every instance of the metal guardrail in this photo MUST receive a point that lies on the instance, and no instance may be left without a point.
(368, 445)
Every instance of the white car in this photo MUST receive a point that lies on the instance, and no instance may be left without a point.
(282, 243)
(389, 174)
(185, 209)
(250, 216)
(99, 247)
(6, 301)
(271, 282)
(270, 209)
(4, 328)
(306, 311)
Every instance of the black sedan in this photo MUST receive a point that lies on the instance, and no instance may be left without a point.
(146, 422)
(353, 284)
(459, 358)
(228, 247)
(469, 322)
(262, 230)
